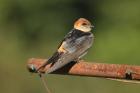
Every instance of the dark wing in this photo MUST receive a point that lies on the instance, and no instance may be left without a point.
(57, 54)
(69, 35)
(52, 60)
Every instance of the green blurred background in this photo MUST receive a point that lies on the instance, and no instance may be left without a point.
(34, 28)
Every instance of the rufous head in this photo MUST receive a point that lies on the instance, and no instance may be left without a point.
(83, 24)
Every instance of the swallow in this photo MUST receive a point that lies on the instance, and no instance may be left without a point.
(73, 47)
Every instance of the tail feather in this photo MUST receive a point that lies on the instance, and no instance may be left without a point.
(52, 60)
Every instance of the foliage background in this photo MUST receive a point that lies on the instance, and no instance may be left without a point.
(33, 28)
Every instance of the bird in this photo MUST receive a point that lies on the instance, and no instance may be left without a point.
(73, 47)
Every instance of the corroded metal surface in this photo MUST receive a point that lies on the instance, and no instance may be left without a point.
(83, 68)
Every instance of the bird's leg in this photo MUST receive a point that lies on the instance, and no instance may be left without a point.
(83, 54)
(77, 60)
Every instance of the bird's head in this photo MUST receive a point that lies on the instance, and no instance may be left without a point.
(83, 24)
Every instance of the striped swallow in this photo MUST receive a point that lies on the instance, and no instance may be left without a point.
(74, 46)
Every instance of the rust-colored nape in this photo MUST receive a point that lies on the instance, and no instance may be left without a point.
(83, 25)
(81, 21)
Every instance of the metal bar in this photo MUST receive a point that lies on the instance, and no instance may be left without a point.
(83, 68)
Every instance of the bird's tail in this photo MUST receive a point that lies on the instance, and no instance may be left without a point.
(43, 65)
(52, 60)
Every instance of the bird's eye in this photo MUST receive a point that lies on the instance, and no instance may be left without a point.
(84, 24)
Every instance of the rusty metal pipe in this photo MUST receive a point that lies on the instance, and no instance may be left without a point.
(83, 68)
